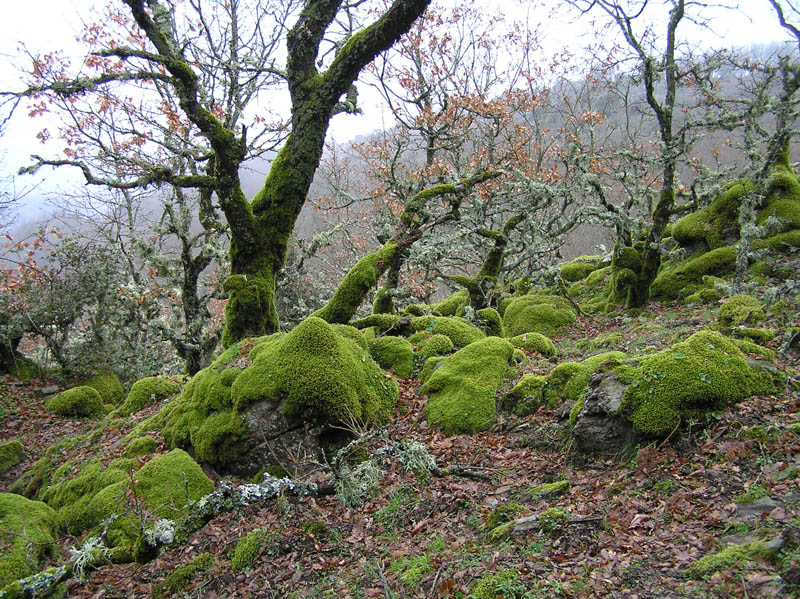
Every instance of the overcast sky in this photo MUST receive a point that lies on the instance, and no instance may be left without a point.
(46, 25)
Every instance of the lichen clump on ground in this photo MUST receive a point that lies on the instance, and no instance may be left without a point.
(77, 402)
(461, 393)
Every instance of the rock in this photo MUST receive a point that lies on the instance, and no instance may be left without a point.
(47, 391)
(600, 427)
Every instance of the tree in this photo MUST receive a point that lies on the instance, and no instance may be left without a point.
(260, 227)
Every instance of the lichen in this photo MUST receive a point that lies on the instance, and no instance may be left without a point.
(461, 393)
(394, 353)
(148, 391)
(76, 402)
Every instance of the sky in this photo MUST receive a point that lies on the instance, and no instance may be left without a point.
(46, 25)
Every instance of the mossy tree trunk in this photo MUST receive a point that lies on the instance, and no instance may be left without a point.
(414, 222)
(260, 229)
(480, 285)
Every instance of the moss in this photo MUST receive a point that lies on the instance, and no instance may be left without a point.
(553, 489)
(705, 372)
(780, 242)
(11, 454)
(527, 395)
(436, 345)
(535, 342)
(579, 268)
(740, 309)
(706, 295)
(519, 356)
(758, 335)
(783, 199)
(490, 322)
(141, 446)
(411, 570)
(729, 557)
(248, 548)
(78, 401)
(503, 513)
(538, 314)
(461, 393)
(594, 283)
(181, 576)
(148, 391)
(273, 471)
(431, 364)
(27, 536)
(606, 340)
(718, 224)
(125, 464)
(570, 381)
(452, 305)
(314, 528)
(355, 285)
(394, 353)
(686, 278)
(505, 584)
(416, 310)
(352, 333)
(108, 386)
(460, 332)
(551, 519)
(250, 310)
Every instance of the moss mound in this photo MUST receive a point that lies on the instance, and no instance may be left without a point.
(394, 353)
(730, 556)
(11, 454)
(490, 322)
(78, 401)
(579, 268)
(545, 314)
(141, 446)
(248, 549)
(535, 342)
(461, 393)
(687, 277)
(27, 531)
(452, 305)
(460, 332)
(108, 386)
(718, 224)
(740, 309)
(705, 372)
(314, 374)
(148, 391)
(436, 345)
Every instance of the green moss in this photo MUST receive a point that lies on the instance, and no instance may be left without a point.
(436, 345)
(250, 310)
(108, 386)
(503, 513)
(527, 395)
(394, 353)
(461, 393)
(248, 549)
(411, 570)
(740, 309)
(535, 342)
(552, 519)
(579, 268)
(141, 446)
(125, 464)
(606, 340)
(758, 335)
(729, 557)
(686, 278)
(718, 224)
(148, 391)
(460, 332)
(705, 372)
(780, 242)
(316, 528)
(543, 314)
(490, 322)
(752, 494)
(27, 536)
(11, 454)
(181, 576)
(355, 285)
(431, 364)
(350, 332)
(452, 305)
(78, 401)
(553, 489)
(570, 381)
(505, 584)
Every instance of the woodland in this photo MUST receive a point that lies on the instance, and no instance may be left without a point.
(535, 335)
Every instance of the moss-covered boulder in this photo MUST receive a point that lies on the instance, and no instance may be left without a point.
(148, 391)
(108, 386)
(535, 342)
(11, 454)
(27, 536)
(490, 322)
(460, 332)
(436, 345)
(718, 224)
(685, 278)
(286, 388)
(140, 446)
(579, 268)
(394, 353)
(461, 393)
(740, 309)
(76, 402)
(534, 313)
(452, 305)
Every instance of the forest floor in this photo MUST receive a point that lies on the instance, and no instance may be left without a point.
(635, 520)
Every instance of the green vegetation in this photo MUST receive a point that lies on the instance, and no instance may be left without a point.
(108, 386)
(394, 353)
(535, 342)
(740, 309)
(729, 557)
(27, 536)
(505, 584)
(141, 446)
(458, 330)
(148, 391)
(11, 454)
(533, 313)
(181, 576)
(77, 402)
(249, 547)
(579, 268)
(436, 345)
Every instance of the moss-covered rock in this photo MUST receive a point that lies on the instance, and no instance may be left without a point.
(27, 536)
(504, 584)
(740, 309)
(535, 342)
(579, 268)
(140, 446)
(394, 353)
(148, 391)
(718, 224)
(248, 549)
(108, 386)
(686, 278)
(431, 364)
(76, 402)
(310, 375)
(452, 305)
(461, 393)
(436, 345)
(11, 454)
(705, 372)
(460, 332)
(351, 332)
(545, 314)
(730, 556)
(761, 336)
(490, 322)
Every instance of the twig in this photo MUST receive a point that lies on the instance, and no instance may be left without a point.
(459, 471)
